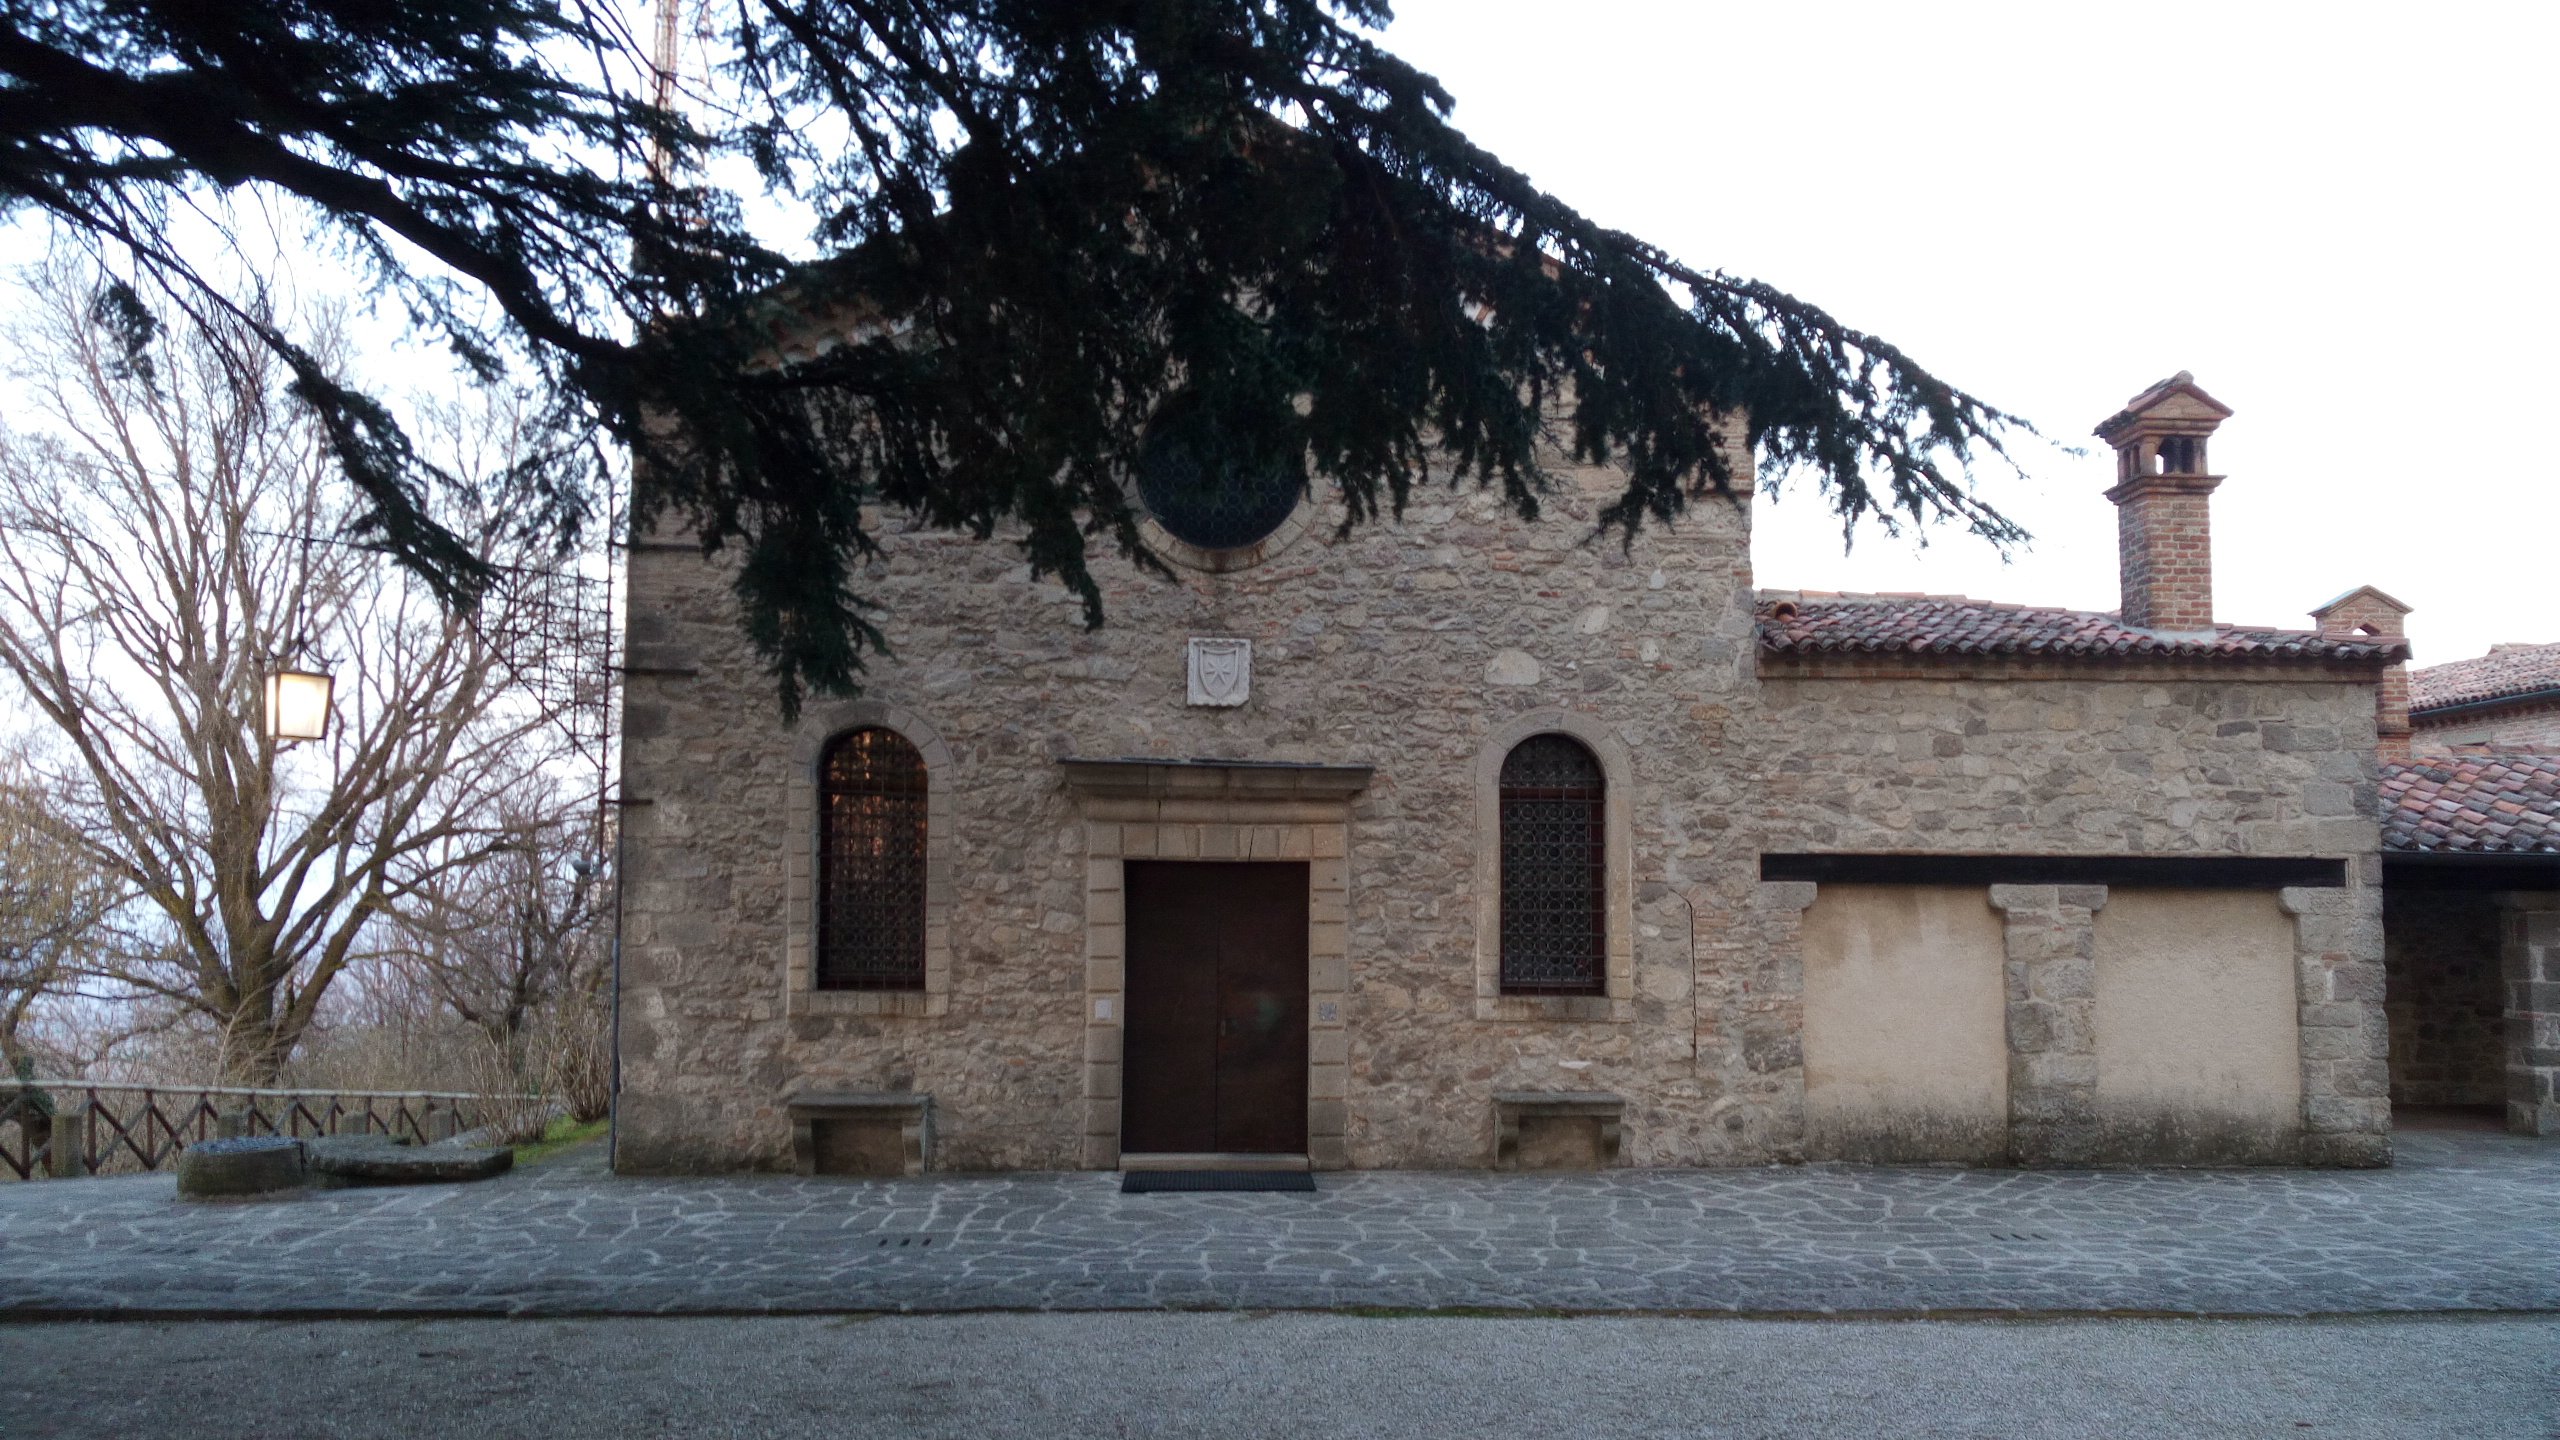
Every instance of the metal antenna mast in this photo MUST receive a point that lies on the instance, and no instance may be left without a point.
(662, 90)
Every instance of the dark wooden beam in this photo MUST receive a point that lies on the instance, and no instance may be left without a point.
(2448, 871)
(2184, 872)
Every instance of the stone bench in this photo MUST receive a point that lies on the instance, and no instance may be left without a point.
(1565, 1129)
(861, 1132)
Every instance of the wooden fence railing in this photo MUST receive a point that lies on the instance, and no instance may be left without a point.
(109, 1128)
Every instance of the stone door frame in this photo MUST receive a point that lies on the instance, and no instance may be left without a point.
(1217, 811)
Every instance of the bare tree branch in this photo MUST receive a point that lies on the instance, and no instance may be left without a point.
(162, 546)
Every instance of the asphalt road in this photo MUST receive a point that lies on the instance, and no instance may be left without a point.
(1246, 1376)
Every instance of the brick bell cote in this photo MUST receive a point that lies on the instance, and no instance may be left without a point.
(2163, 495)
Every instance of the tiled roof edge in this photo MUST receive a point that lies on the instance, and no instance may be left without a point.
(2527, 694)
(2506, 674)
(2472, 804)
(2239, 644)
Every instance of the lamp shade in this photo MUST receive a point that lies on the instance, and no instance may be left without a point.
(297, 705)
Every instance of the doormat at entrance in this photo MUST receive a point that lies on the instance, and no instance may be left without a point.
(1151, 1182)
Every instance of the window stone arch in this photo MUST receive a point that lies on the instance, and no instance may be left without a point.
(872, 791)
(1555, 806)
(1179, 551)
(1615, 991)
(823, 727)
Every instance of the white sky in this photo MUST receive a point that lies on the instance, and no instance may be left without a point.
(2337, 216)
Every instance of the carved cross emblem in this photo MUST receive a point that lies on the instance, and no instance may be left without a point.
(1221, 671)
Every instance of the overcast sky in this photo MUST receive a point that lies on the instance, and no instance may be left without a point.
(2337, 216)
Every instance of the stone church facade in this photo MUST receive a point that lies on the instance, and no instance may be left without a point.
(1467, 841)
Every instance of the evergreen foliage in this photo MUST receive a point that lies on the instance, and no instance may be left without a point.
(1044, 220)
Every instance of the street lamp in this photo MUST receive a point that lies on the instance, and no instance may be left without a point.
(297, 705)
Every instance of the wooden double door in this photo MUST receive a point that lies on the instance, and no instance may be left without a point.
(1214, 1050)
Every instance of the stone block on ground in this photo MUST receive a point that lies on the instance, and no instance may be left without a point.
(347, 1160)
(246, 1165)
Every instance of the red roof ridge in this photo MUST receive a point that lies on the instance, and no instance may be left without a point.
(1834, 622)
(1862, 597)
(2507, 672)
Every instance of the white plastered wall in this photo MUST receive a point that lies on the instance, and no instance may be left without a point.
(1904, 1002)
(2199, 1045)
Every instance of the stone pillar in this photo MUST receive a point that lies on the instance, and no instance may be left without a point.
(2052, 976)
(1770, 1014)
(2345, 1035)
(66, 1157)
(2529, 959)
(1105, 964)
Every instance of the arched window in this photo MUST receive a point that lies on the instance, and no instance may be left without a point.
(1554, 869)
(871, 889)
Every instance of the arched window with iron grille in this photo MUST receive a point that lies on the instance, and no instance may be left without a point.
(871, 863)
(1554, 869)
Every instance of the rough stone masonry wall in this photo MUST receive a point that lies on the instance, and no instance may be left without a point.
(1991, 758)
(2066, 762)
(1401, 647)
(2448, 1038)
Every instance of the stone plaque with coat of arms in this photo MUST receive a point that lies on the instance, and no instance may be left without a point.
(1221, 671)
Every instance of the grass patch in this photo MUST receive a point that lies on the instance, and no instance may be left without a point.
(561, 1134)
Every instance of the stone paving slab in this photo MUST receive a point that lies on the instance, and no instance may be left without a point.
(2464, 1222)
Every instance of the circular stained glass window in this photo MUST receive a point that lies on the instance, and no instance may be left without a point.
(1217, 504)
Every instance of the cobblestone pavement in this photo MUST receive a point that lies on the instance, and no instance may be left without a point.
(2463, 1222)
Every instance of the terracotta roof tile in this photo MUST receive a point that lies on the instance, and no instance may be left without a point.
(1822, 623)
(2507, 670)
(2488, 804)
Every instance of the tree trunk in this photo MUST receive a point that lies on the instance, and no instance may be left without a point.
(255, 1039)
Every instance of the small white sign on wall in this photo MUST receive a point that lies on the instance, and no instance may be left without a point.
(1221, 671)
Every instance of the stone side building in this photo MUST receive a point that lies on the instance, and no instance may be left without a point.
(2509, 697)
(2471, 865)
(1465, 841)
(2472, 923)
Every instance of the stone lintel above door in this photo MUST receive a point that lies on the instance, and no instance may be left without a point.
(1246, 782)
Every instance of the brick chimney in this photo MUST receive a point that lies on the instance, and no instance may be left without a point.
(2365, 613)
(2163, 495)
